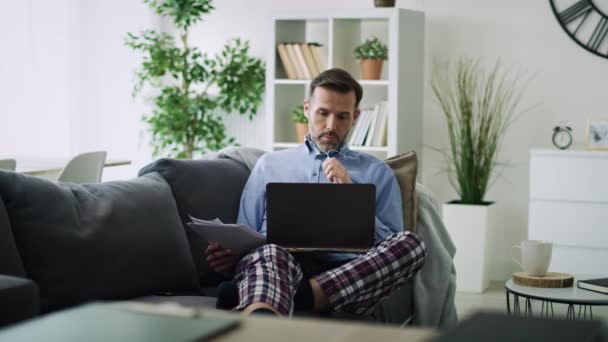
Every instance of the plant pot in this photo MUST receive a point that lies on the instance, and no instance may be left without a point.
(471, 228)
(371, 69)
(384, 3)
(301, 131)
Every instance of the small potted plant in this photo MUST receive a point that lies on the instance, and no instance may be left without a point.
(371, 54)
(301, 123)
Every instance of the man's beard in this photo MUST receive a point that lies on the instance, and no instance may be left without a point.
(326, 147)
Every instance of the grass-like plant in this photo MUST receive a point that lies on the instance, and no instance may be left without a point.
(372, 48)
(192, 90)
(298, 115)
(479, 108)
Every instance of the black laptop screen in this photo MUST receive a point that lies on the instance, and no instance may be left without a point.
(335, 216)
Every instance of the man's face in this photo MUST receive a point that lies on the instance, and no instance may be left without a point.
(331, 116)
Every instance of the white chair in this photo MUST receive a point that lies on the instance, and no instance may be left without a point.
(84, 168)
(8, 164)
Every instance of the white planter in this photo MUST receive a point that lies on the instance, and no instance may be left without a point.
(472, 229)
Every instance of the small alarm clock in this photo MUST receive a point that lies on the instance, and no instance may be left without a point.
(562, 136)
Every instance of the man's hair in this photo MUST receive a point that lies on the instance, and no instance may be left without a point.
(337, 80)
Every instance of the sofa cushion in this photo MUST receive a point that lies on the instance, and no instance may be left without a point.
(205, 189)
(18, 299)
(405, 167)
(10, 261)
(111, 240)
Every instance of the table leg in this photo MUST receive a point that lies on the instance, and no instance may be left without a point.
(544, 309)
(528, 307)
(508, 303)
(571, 312)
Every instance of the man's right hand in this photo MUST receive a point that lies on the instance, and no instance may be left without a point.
(220, 259)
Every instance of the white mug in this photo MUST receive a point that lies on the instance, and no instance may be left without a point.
(535, 256)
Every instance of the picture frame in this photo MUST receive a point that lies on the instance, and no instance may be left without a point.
(597, 134)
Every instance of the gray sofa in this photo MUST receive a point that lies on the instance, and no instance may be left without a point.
(64, 244)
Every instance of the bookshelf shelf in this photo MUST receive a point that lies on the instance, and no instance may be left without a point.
(339, 32)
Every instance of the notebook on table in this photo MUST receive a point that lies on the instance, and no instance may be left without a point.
(305, 217)
(597, 285)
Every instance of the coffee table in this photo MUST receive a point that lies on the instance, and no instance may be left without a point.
(110, 321)
(571, 296)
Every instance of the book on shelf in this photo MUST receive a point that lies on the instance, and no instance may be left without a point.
(597, 285)
(291, 52)
(309, 59)
(301, 61)
(379, 134)
(318, 56)
(355, 130)
(286, 61)
(372, 125)
(362, 126)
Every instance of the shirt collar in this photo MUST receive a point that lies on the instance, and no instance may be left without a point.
(313, 150)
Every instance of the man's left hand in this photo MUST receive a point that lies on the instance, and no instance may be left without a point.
(336, 172)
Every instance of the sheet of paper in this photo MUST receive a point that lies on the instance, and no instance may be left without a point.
(237, 237)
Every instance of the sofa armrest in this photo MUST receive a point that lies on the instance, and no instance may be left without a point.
(18, 299)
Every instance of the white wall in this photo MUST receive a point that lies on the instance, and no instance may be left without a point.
(66, 77)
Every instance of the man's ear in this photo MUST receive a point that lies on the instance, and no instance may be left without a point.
(306, 107)
(356, 114)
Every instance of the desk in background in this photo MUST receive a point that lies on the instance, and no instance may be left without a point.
(50, 168)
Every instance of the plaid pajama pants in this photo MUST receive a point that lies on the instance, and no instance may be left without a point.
(271, 275)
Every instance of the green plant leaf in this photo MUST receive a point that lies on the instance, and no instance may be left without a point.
(372, 48)
(185, 118)
(478, 107)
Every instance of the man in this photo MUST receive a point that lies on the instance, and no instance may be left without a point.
(272, 280)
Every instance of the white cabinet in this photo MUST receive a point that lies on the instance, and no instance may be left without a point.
(569, 207)
(340, 31)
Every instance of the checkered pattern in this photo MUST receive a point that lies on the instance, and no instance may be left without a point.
(358, 285)
(271, 275)
(268, 275)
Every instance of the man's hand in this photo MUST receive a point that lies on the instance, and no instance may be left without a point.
(220, 259)
(335, 171)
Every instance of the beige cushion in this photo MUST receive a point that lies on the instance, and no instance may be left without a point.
(405, 167)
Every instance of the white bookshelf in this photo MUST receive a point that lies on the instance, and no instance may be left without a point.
(401, 83)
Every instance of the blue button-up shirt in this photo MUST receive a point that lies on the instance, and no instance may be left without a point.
(304, 164)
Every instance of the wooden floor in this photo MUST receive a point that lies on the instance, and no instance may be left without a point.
(494, 299)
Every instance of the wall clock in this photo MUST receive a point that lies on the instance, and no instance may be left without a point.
(586, 22)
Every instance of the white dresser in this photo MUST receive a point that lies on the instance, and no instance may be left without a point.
(569, 207)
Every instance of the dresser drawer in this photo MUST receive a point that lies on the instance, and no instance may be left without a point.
(578, 176)
(569, 223)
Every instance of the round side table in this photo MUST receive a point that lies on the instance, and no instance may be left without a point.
(570, 296)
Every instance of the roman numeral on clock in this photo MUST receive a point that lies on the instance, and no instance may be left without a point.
(585, 22)
(580, 8)
(599, 34)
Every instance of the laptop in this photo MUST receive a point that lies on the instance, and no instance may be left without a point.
(304, 217)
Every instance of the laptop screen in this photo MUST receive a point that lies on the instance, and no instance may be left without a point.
(325, 216)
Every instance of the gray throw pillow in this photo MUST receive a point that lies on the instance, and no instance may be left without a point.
(113, 240)
(206, 189)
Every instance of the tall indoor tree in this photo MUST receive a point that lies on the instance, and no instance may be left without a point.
(193, 90)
